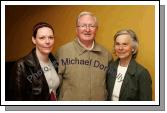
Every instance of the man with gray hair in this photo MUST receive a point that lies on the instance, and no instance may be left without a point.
(83, 63)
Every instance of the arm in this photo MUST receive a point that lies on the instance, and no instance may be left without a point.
(145, 86)
(60, 71)
(16, 82)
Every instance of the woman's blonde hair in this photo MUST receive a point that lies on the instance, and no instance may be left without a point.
(133, 36)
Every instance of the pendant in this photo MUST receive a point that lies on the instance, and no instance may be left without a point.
(46, 69)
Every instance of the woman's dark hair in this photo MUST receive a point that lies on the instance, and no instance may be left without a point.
(40, 25)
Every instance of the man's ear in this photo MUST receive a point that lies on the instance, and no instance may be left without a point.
(76, 30)
(33, 40)
(97, 28)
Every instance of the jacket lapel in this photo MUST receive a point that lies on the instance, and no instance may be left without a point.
(112, 72)
(129, 73)
(34, 68)
(54, 61)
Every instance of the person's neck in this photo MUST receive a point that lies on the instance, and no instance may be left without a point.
(124, 62)
(87, 44)
(42, 57)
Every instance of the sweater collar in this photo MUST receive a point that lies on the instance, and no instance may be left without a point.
(80, 49)
(84, 45)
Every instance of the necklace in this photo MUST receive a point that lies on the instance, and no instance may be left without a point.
(46, 68)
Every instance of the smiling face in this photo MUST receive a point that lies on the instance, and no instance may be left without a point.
(86, 28)
(44, 40)
(123, 47)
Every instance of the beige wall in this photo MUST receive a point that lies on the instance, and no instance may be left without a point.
(20, 19)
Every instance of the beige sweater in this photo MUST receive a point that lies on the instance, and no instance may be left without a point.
(83, 72)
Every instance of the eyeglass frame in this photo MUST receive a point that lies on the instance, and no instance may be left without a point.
(85, 26)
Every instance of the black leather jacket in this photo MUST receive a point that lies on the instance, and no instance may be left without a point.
(27, 79)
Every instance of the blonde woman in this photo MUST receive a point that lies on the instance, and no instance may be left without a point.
(127, 80)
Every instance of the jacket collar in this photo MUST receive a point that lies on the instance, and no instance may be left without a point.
(32, 60)
(131, 67)
(81, 49)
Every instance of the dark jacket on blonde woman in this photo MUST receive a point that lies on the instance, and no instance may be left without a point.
(136, 85)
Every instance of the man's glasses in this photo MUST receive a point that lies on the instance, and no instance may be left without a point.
(92, 27)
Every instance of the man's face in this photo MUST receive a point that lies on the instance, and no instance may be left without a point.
(86, 28)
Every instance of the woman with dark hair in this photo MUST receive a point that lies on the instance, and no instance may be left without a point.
(127, 80)
(34, 77)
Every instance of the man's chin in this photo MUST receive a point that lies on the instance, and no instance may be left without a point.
(88, 38)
